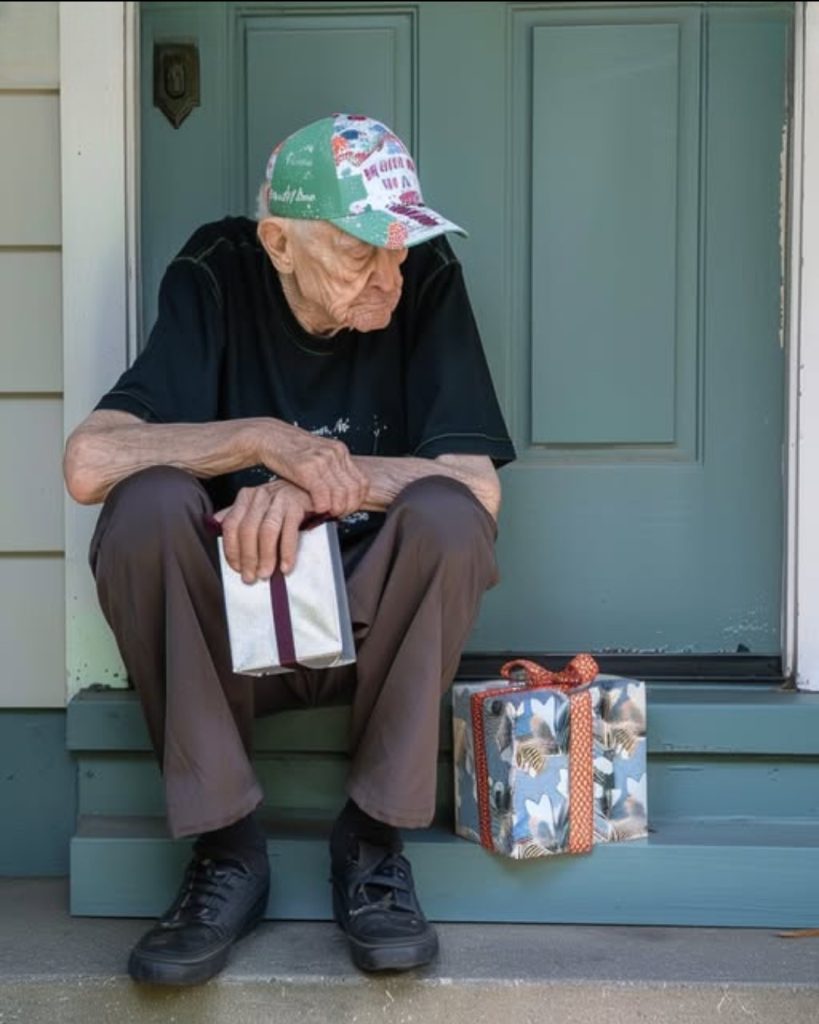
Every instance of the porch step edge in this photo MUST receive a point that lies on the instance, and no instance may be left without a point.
(706, 873)
(682, 718)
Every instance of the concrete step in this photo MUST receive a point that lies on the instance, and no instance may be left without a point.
(55, 969)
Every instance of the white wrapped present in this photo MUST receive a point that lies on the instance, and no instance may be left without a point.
(301, 619)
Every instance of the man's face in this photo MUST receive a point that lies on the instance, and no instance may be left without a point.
(352, 284)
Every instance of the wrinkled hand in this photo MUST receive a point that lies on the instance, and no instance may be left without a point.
(260, 530)
(321, 466)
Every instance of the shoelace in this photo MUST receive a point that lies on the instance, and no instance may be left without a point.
(206, 885)
(392, 876)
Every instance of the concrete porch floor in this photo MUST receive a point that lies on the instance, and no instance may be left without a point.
(63, 970)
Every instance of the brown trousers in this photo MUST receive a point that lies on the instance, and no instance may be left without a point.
(414, 595)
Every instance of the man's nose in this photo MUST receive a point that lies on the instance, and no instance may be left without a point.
(386, 273)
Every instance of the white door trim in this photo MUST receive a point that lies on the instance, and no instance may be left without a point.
(96, 146)
(793, 255)
(804, 339)
(132, 150)
(99, 127)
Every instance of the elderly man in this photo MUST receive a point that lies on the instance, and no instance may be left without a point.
(324, 359)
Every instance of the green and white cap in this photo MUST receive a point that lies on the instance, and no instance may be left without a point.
(356, 173)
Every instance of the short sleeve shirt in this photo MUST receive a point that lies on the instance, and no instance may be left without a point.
(227, 346)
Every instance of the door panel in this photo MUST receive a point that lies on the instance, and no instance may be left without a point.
(605, 253)
(619, 171)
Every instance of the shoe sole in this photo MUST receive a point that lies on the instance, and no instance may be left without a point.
(147, 970)
(398, 956)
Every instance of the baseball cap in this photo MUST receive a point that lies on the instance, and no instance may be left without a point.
(356, 173)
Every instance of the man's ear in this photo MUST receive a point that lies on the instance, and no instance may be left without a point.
(275, 238)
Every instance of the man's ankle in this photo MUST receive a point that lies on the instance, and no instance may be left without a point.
(243, 840)
(354, 824)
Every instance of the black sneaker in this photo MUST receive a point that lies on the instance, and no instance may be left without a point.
(374, 902)
(219, 902)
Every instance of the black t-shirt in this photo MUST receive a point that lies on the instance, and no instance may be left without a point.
(227, 346)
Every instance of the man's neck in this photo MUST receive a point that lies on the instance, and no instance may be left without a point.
(309, 317)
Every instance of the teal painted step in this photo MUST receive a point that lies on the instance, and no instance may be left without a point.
(767, 738)
(680, 785)
(719, 756)
(760, 873)
(131, 784)
(683, 718)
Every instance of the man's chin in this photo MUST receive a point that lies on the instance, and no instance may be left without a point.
(370, 320)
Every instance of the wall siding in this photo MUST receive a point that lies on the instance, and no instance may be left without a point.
(30, 169)
(31, 356)
(29, 46)
(30, 457)
(32, 627)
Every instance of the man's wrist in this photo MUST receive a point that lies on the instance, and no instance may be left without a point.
(254, 441)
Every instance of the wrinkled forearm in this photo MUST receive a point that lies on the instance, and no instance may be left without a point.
(108, 449)
(387, 477)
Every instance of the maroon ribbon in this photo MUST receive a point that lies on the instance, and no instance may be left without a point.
(282, 622)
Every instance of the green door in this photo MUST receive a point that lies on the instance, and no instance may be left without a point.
(619, 170)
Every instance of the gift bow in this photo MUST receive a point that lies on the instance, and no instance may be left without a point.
(580, 671)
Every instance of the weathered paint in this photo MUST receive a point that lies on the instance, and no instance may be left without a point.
(38, 793)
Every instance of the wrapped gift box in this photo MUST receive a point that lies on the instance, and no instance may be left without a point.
(539, 771)
(301, 619)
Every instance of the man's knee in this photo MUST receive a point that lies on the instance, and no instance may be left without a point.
(152, 506)
(445, 521)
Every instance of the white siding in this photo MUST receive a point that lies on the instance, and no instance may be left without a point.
(31, 438)
(31, 630)
(29, 46)
(30, 169)
(32, 570)
(31, 355)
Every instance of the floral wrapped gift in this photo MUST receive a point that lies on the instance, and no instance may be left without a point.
(550, 764)
(301, 619)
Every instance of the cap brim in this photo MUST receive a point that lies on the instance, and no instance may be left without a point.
(389, 229)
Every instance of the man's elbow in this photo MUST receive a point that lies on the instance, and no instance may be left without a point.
(491, 496)
(486, 485)
(479, 475)
(80, 481)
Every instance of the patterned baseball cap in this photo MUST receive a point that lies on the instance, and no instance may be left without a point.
(356, 173)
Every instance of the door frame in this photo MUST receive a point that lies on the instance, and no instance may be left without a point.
(99, 108)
